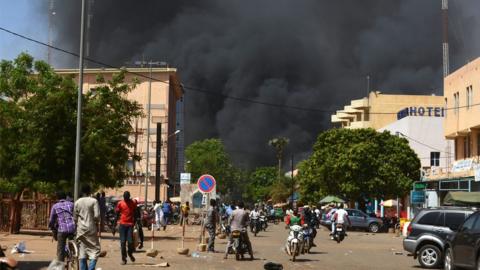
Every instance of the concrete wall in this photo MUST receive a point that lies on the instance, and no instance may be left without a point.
(425, 135)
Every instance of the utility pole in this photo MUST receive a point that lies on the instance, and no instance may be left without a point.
(293, 180)
(79, 105)
(51, 13)
(446, 68)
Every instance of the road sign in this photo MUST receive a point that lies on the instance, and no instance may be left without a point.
(417, 197)
(206, 183)
(185, 178)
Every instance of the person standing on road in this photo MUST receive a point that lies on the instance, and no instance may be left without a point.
(126, 210)
(211, 224)
(62, 223)
(238, 222)
(184, 209)
(87, 216)
(138, 224)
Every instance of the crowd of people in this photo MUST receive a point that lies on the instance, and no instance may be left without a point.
(83, 221)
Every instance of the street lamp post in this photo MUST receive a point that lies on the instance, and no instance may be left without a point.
(158, 173)
(79, 105)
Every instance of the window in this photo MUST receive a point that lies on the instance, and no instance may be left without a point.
(429, 218)
(440, 220)
(456, 102)
(469, 222)
(434, 159)
(454, 220)
(469, 96)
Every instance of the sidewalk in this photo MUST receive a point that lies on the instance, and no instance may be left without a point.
(43, 248)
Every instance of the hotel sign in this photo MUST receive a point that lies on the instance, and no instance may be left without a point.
(421, 111)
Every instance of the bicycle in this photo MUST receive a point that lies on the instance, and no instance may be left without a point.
(71, 256)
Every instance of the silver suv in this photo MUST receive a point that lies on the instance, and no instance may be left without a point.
(428, 231)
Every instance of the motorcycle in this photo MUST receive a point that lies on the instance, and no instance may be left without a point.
(263, 223)
(295, 242)
(240, 246)
(111, 218)
(255, 225)
(6, 263)
(307, 239)
(339, 233)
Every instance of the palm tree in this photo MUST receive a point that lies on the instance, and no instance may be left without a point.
(279, 145)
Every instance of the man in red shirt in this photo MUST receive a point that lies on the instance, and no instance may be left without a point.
(126, 211)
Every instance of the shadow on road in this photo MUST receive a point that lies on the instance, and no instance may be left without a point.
(33, 265)
(305, 260)
(318, 252)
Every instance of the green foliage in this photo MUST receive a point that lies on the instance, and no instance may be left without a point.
(38, 125)
(358, 163)
(281, 189)
(260, 183)
(209, 157)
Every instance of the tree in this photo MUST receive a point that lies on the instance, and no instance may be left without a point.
(260, 183)
(38, 124)
(279, 145)
(209, 157)
(358, 163)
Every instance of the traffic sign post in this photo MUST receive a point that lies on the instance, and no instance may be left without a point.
(206, 183)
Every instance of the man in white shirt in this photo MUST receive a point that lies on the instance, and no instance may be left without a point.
(341, 217)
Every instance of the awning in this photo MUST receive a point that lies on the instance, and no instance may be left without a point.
(462, 198)
(331, 199)
(390, 203)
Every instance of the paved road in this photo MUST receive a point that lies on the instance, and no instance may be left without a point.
(359, 251)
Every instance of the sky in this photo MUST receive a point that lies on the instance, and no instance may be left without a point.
(305, 53)
(22, 17)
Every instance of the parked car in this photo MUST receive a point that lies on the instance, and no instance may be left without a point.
(462, 248)
(359, 220)
(428, 232)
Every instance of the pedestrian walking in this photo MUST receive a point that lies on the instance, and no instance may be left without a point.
(62, 223)
(87, 216)
(126, 210)
(167, 213)
(211, 223)
(159, 220)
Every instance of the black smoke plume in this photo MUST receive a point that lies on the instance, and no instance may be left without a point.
(308, 53)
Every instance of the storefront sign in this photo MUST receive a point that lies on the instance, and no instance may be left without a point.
(417, 197)
(421, 111)
(185, 178)
(462, 165)
(419, 186)
(477, 173)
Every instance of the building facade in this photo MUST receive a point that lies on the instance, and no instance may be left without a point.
(462, 98)
(425, 137)
(165, 93)
(378, 110)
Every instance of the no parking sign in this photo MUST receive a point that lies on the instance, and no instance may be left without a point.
(206, 183)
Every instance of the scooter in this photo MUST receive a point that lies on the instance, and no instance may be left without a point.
(339, 233)
(240, 246)
(295, 242)
(263, 223)
(307, 238)
(111, 219)
(255, 226)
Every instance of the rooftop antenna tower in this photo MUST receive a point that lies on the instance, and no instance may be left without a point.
(51, 13)
(446, 60)
(446, 70)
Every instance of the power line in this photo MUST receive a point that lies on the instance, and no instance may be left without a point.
(201, 90)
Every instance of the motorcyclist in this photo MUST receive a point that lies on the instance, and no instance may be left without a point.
(341, 217)
(294, 219)
(311, 221)
(238, 222)
(330, 215)
(254, 215)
